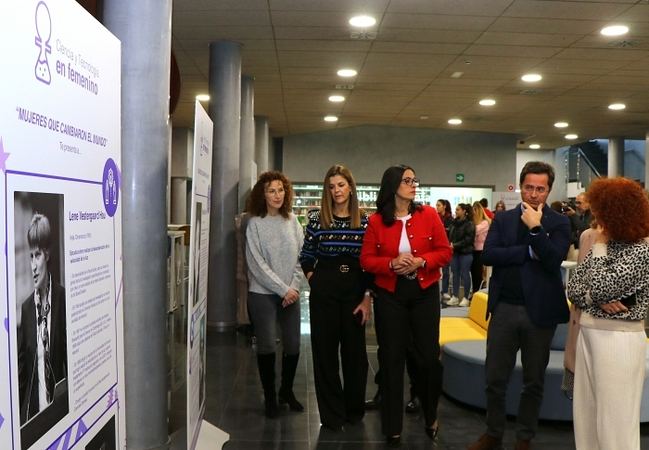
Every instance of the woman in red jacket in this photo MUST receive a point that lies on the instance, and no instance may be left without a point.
(405, 245)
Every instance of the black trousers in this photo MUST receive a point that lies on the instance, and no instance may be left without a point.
(409, 316)
(334, 296)
(476, 271)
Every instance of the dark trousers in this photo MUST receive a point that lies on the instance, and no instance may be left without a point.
(334, 296)
(510, 329)
(409, 316)
(411, 368)
(476, 270)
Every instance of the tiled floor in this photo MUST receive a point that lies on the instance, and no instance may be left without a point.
(235, 404)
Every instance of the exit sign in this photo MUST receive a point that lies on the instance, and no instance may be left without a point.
(459, 178)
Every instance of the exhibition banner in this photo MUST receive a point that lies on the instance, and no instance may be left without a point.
(198, 266)
(61, 371)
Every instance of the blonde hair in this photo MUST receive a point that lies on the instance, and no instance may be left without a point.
(478, 214)
(326, 205)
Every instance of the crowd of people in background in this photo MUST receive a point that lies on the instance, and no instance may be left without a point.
(394, 261)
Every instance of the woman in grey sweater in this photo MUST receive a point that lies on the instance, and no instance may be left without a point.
(274, 240)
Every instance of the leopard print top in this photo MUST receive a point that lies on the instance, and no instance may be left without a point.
(623, 271)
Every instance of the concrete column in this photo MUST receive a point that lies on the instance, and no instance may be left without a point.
(225, 111)
(615, 157)
(247, 155)
(261, 143)
(146, 51)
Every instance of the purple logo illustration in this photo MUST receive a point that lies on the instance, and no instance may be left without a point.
(43, 35)
(110, 187)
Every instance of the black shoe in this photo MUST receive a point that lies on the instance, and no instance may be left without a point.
(287, 397)
(289, 366)
(374, 402)
(393, 441)
(413, 405)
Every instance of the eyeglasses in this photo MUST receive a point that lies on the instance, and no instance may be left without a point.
(538, 189)
(274, 191)
(411, 181)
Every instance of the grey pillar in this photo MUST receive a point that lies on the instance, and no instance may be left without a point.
(224, 110)
(146, 50)
(261, 143)
(247, 155)
(615, 157)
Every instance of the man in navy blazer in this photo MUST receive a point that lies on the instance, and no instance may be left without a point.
(526, 246)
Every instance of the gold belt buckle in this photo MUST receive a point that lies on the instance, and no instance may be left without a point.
(344, 268)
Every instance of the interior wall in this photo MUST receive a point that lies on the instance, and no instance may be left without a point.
(485, 159)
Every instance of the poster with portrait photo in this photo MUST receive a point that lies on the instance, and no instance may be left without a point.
(196, 252)
(105, 439)
(40, 312)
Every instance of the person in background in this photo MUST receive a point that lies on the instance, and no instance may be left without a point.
(405, 246)
(273, 243)
(526, 246)
(481, 222)
(462, 236)
(611, 287)
(500, 207)
(485, 203)
(579, 219)
(444, 210)
(557, 206)
(340, 299)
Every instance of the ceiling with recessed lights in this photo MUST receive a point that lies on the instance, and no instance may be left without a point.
(427, 61)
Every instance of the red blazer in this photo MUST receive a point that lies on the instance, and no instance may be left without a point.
(427, 239)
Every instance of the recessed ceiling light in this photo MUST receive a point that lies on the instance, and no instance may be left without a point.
(571, 136)
(336, 98)
(423, 117)
(347, 73)
(535, 146)
(203, 97)
(330, 118)
(614, 30)
(487, 102)
(616, 106)
(362, 21)
(561, 124)
(457, 74)
(455, 121)
(531, 77)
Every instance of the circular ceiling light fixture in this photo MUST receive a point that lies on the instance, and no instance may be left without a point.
(616, 106)
(362, 21)
(347, 73)
(561, 124)
(614, 30)
(532, 77)
(534, 146)
(487, 102)
(336, 98)
(571, 136)
(203, 97)
(331, 118)
(454, 121)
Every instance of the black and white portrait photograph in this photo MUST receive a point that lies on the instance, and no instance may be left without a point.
(40, 312)
(196, 232)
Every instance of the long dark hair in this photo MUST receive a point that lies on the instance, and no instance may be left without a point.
(385, 202)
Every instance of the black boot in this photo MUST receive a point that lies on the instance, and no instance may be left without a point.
(266, 364)
(289, 365)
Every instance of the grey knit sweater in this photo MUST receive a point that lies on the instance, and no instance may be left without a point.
(273, 245)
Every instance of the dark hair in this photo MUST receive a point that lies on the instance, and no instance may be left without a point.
(385, 202)
(326, 205)
(39, 234)
(448, 212)
(557, 205)
(468, 211)
(611, 200)
(538, 167)
(500, 203)
(484, 202)
(257, 200)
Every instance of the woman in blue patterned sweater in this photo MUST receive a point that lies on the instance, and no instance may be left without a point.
(340, 301)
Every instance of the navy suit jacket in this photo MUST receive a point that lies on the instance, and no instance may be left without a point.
(544, 295)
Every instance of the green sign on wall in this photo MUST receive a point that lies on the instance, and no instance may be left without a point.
(459, 178)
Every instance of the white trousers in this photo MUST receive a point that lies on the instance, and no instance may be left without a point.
(609, 375)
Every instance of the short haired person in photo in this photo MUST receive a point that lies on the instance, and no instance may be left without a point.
(405, 247)
(42, 349)
(611, 287)
(526, 246)
(340, 299)
(273, 243)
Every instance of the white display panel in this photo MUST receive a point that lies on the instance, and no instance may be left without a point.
(62, 374)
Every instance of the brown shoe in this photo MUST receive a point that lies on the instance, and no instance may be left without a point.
(522, 444)
(486, 442)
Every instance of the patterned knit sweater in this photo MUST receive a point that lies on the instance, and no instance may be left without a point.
(612, 272)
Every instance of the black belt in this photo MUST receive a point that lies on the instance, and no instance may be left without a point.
(343, 268)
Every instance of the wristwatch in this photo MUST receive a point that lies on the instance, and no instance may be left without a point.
(536, 230)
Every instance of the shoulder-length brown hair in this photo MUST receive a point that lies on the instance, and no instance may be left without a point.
(326, 205)
(257, 201)
(621, 207)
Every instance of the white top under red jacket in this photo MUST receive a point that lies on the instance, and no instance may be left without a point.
(427, 238)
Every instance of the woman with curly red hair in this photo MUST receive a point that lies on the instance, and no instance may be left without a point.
(611, 288)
